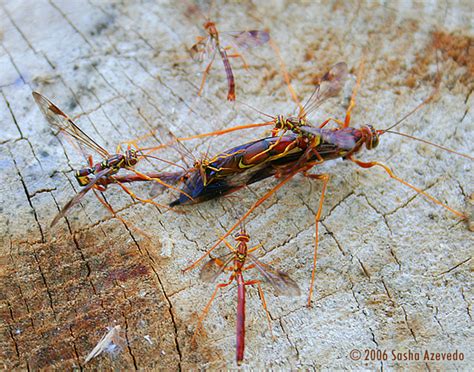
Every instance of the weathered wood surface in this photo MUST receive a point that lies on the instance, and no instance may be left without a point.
(394, 271)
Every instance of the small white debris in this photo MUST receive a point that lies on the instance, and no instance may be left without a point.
(112, 343)
(148, 338)
(166, 245)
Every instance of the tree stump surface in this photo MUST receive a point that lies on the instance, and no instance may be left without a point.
(394, 270)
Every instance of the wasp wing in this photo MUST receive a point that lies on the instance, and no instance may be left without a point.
(329, 86)
(204, 50)
(280, 281)
(62, 122)
(78, 197)
(215, 267)
(340, 140)
(247, 39)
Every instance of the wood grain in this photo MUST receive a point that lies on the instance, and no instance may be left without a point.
(394, 271)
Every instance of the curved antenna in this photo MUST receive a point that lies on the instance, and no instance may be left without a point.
(211, 6)
(303, 113)
(236, 213)
(182, 150)
(209, 134)
(425, 101)
(163, 160)
(192, 8)
(255, 109)
(406, 116)
(206, 156)
(430, 143)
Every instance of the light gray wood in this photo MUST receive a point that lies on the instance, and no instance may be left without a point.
(394, 270)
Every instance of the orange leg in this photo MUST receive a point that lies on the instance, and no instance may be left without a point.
(127, 224)
(249, 267)
(157, 180)
(199, 39)
(339, 123)
(135, 141)
(100, 187)
(228, 245)
(347, 121)
(224, 131)
(286, 76)
(209, 134)
(250, 250)
(418, 190)
(206, 72)
(241, 219)
(206, 309)
(325, 179)
(264, 303)
(132, 194)
(90, 161)
(238, 55)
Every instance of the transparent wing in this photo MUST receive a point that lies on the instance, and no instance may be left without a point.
(62, 122)
(175, 177)
(169, 177)
(280, 281)
(246, 39)
(341, 140)
(204, 50)
(215, 267)
(78, 197)
(310, 130)
(329, 86)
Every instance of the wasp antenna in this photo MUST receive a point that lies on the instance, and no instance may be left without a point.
(255, 109)
(164, 161)
(181, 149)
(211, 6)
(425, 101)
(242, 226)
(192, 8)
(232, 206)
(208, 151)
(430, 143)
(153, 148)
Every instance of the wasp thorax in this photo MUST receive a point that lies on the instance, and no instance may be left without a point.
(82, 176)
(294, 123)
(280, 122)
(241, 257)
(131, 157)
(299, 121)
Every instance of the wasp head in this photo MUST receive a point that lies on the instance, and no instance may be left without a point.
(371, 137)
(242, 236)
